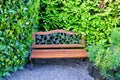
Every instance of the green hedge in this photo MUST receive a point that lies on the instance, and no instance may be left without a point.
(18, 19)
(81, 16)
(107, 58)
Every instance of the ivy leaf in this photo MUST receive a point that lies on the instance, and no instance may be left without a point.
(12, 11)
(2, 47)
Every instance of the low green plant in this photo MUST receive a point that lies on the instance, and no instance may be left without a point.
(18, 19)
(107, 56)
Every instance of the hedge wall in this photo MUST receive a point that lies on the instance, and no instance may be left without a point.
(18, 19)
(94, 18)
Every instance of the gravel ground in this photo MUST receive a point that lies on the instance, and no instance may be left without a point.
(53, 69)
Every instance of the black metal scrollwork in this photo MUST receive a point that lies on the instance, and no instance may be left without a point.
(57, 38)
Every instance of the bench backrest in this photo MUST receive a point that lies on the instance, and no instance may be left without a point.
(57, 39)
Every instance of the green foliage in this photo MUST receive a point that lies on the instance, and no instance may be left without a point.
(18, 19)
(94, 18)
(81, 16)
(107, 58)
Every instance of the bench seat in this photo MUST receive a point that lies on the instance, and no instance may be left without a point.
(59, 53)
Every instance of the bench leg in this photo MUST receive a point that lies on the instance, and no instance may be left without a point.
(30, 59)
(31, 64)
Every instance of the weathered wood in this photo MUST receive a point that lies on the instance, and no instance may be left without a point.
(83, 41)
(59, 53)
(57, 46)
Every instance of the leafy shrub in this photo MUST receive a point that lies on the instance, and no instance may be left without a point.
(94, 18)
(18, 19)
(107, 58)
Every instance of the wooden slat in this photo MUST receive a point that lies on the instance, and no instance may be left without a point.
(57, 46)
(83, 40)
(54, 31)
(59, 53)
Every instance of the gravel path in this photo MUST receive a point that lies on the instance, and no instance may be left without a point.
(53, 69)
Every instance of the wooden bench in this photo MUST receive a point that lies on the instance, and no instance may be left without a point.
(57, 44)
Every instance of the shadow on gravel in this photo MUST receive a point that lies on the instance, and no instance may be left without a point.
(53, 69)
